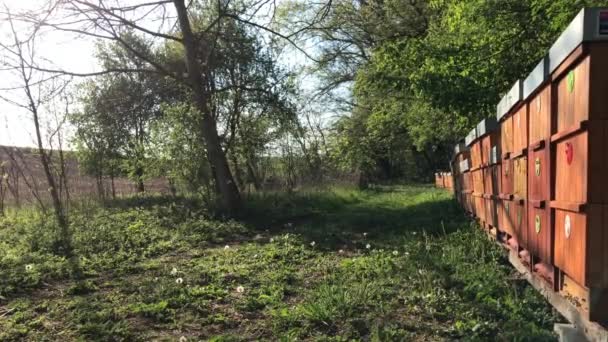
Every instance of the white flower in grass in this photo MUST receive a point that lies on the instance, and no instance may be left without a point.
(312, 244)
(226, 247)
(364, 234)
(395, 253)
(341, 251)
(368, 246)
(179, 281)
(255, 256)
(406, 253)
(183, 339)
(240, 289)
(174, 271)
(271, 240)
(29, 268)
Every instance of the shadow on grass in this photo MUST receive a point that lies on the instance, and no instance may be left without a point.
(337, 218)
(382, 217)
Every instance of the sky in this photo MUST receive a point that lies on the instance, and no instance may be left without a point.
(16, 126)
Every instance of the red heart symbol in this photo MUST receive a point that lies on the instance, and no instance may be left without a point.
(569, 153)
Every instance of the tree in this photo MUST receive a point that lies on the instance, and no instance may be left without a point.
(18, 59)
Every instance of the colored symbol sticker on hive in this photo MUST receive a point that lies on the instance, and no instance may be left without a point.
(571, 81)
(537, 167)
(569, 153)
(567, 227)
(537, 224)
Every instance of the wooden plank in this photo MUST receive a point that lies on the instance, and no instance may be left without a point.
(539, 112)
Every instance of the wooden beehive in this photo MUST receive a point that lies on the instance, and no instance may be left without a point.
(520, 131)
(506, 137)
(579, 71)
(496, 171)
(582, 84)
(580, 252)
(580, 164)
(469, 203)
(520, 178)
(539, 231)
(480, 210)
(539, 117)
(506, 178)
(505, 223)
(489, 134)
(491, 211)
(478, 184)
(538, 172)
(518, 215)
(467, 180)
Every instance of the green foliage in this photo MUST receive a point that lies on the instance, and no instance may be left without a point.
(423, 73)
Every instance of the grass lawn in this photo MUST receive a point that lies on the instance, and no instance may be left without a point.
(396, 263)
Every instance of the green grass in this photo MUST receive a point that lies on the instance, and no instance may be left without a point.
(395, 263)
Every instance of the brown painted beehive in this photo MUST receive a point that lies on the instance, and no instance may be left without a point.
(491, 211)
(520, 131)
(506, 178)
(579, 71)
(520, 178)
(504, 220)
(480, 208)
(538, 98)
(478, 183)
(506, 137)
(580, 245)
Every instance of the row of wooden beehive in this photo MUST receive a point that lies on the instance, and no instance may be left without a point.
(535, 176)
(444, 180)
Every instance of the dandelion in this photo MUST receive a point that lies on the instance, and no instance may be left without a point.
(179, 281)
(364, 234)
(312, 244)
(395, 253)
(368, 246)
(341, 251)
(240, 289)
(174, 271)
(29, 268)
(183, 339)
(226, 247)
(406, 253)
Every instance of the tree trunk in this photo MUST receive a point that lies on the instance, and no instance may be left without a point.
(140, 180)
(229, 192)
(253, 176)
(60, 214)
(113, 185)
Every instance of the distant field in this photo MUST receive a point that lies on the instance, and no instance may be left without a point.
(396, 263)
(26, 180)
